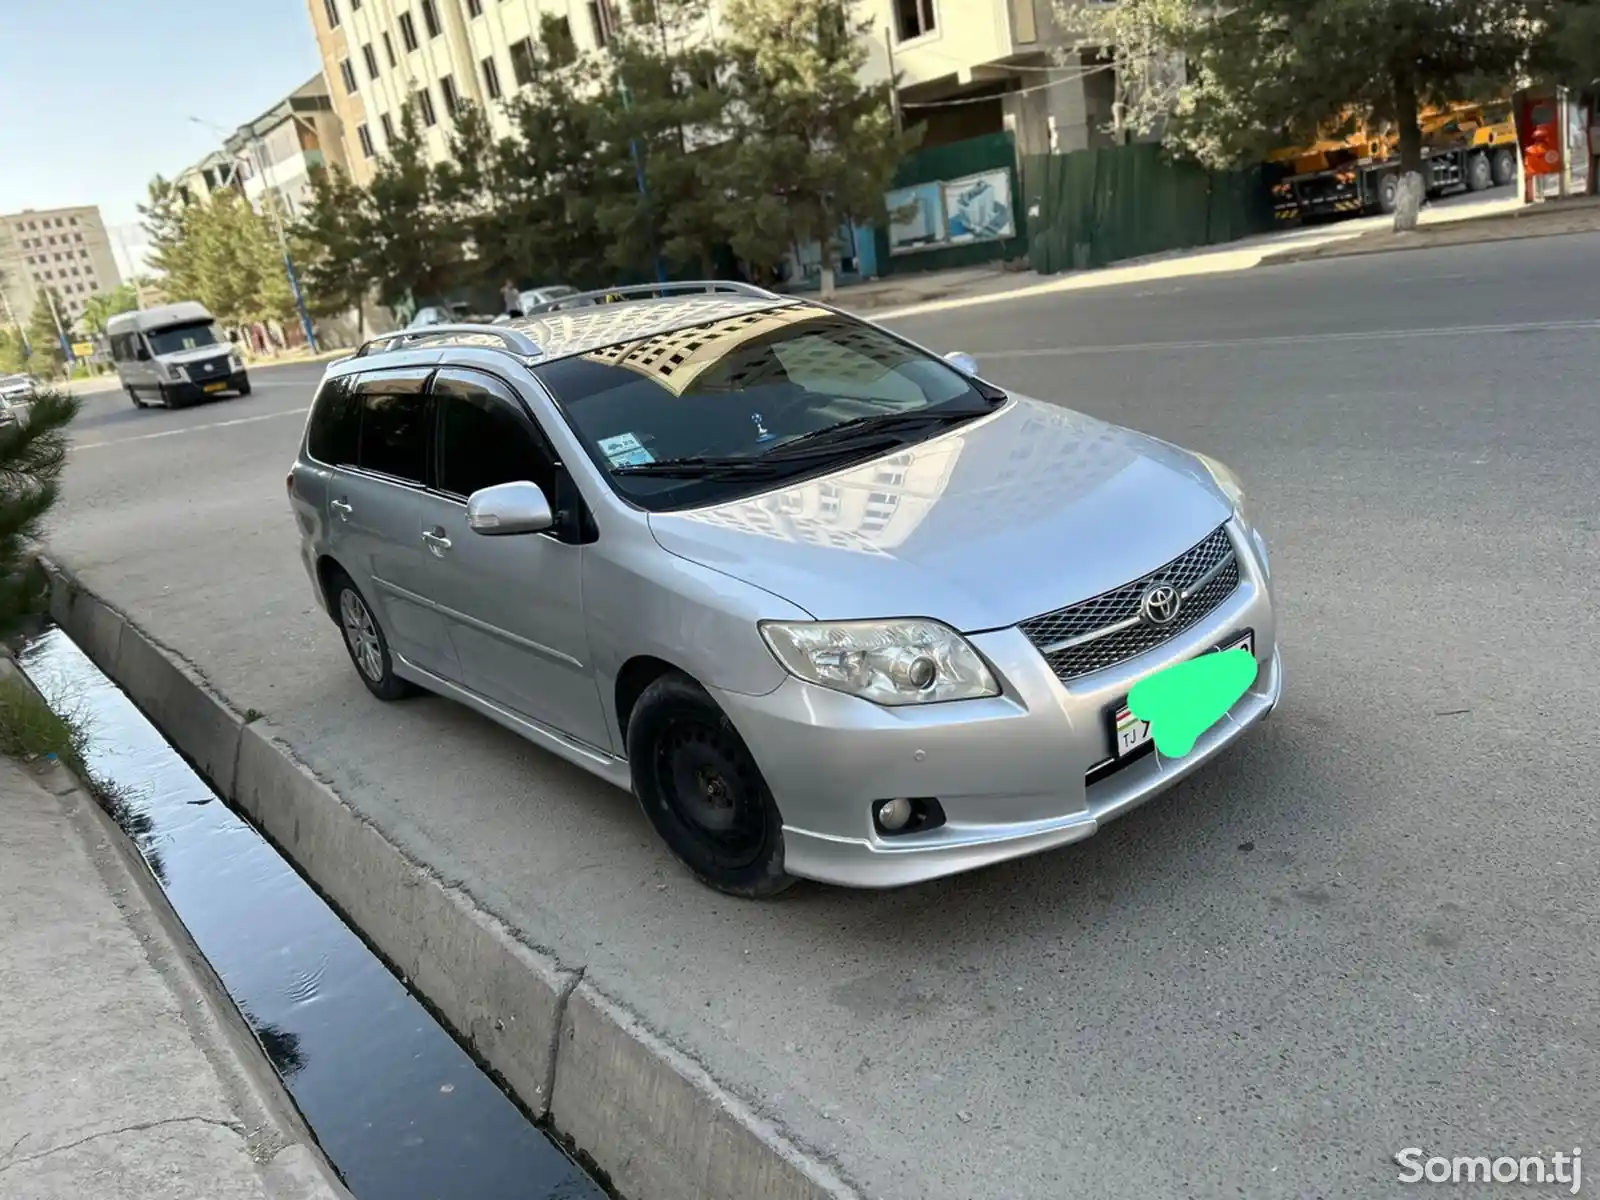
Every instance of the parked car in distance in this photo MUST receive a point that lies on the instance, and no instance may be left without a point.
(457, 312)
(831, 605)
(174, 355)
(17, 394)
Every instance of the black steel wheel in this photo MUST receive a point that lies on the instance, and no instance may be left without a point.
(701, 789)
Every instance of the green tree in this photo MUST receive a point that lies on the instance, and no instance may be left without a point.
(549, 180)
(100, 308)
(32, 454)
(45, 327)
(330, 246)
(1260, 72)
(170, 224)
(13, 359)
(1567, 50)
(811, 146)
(416, 246)
(659, 122)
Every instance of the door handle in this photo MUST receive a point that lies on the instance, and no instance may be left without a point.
(340, 507)
(436, 539)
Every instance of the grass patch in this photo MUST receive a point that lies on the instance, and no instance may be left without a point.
(31, 729)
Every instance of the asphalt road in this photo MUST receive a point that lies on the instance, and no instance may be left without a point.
(1369, 927)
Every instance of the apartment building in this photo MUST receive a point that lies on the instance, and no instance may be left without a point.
(62, 248)
(966, 67)
(972, 67)
(277, 152)
(211, 174)
(382, 55)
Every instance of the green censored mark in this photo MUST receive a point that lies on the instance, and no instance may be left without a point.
(1184, 701)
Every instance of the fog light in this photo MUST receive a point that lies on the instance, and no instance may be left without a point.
(894, 815)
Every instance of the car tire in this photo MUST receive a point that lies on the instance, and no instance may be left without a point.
(1480, 173)
(244, 388)
(365, 641)
(701, 789)
(133, 395)
(167, 400)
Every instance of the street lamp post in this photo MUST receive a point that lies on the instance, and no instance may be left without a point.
(259, 161)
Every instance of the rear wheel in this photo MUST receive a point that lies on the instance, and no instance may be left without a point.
(1503, 167)
(1389, 193)
(365, 641)
(1480, 173)
(700, 787)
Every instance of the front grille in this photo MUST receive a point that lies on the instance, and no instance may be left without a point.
(1206, 574)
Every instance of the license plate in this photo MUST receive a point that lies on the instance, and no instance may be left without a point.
(216, 387)
(1129, 733)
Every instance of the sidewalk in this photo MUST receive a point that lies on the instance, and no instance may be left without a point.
(1552, 218)
(122, 1077)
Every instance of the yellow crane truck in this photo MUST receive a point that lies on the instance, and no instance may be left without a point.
(1466, 147)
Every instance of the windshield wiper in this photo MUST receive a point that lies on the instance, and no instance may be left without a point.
(699, 467)
(876, 424)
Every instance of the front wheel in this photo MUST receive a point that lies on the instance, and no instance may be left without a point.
(700, 787)
(364, 639)
(133, 395)
(1389, 194)
(244, 388)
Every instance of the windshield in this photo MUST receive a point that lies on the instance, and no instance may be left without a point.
(710, 413)
(189, 336)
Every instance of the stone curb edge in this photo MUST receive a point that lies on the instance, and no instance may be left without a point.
(1349, 249)
(644, 1115)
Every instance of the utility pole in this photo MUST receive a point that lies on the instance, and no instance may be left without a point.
(61, 334)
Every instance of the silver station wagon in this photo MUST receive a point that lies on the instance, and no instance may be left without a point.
(830, 605)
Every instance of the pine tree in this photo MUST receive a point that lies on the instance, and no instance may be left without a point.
(416, 246)
(32, 454)
(45, 328)
(811, 145)
(330, 246)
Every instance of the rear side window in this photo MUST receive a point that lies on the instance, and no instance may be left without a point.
(394, 424)
(335, 429)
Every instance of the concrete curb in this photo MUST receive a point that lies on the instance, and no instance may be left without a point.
(1421, 241)
(638, 1109)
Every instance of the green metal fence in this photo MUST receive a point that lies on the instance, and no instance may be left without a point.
(954, 161)
(1091, 208)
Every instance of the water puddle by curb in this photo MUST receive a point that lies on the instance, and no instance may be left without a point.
(398, 1106)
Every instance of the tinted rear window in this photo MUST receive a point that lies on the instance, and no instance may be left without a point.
(335, 425)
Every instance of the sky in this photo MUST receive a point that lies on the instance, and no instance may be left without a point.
(96, 95)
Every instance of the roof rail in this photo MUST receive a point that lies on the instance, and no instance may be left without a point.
(510, 339)
(652, 291)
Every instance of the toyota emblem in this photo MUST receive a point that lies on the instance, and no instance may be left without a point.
(1160, 604)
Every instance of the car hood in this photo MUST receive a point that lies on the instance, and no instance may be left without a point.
(1018, 513)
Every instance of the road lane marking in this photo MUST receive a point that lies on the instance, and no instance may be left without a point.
(1296, 339)
(164, 433)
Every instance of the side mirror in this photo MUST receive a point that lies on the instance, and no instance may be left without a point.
(962, 361)
(142, 354)
(509, 508)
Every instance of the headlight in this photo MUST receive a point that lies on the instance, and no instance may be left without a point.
(1230, 485)
(236, 362)
(887, 662)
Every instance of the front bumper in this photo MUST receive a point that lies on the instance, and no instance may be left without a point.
(188, 391)
(1009, 772)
